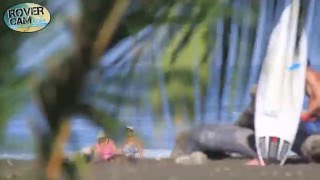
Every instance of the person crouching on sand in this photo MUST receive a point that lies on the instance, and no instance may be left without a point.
(105, 148)
(132, 146)
(311, 117)
(307, 141)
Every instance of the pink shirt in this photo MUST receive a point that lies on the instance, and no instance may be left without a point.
(105, 151)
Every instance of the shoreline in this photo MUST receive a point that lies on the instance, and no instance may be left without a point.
(148, 153)
(167, 169)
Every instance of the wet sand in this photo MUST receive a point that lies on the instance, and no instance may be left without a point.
(167, 170)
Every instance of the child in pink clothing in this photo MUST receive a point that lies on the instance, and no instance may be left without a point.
(105, 148)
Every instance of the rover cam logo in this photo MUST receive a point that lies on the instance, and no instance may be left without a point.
(26, 17)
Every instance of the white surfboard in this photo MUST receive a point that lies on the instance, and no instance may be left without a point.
(281, 89)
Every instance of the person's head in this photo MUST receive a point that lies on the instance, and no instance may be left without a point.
(129, 130)
(101, 137)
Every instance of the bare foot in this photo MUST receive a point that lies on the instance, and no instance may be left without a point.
(255, 162)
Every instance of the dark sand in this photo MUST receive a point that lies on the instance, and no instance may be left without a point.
(168, 170)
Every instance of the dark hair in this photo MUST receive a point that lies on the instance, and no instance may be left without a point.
(103, 139)
(308, 62)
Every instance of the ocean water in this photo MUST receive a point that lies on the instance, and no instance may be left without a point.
(148, 153)
(20, 142)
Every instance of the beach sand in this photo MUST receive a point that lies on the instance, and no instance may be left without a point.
(167, 170)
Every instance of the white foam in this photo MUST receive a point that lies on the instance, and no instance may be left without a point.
(156, 153)
(24, 156)
(148, 153)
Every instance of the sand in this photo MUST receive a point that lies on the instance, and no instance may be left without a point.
(167, 170)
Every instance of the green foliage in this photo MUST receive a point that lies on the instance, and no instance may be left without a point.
(185, 57)
(13, 89)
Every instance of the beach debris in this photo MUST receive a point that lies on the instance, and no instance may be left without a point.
(12, 176)
(9, 162)
(198, 157)
(183, 159)
(195, 158)
(311, 148)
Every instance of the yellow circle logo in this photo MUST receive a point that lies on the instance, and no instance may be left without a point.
(27, 17)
